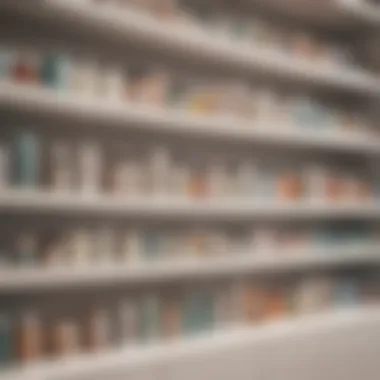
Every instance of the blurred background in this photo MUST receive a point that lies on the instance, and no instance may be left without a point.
(189, 189)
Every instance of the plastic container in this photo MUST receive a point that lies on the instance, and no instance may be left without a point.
(62, 166)
(27, 67)
(30, 338)
(150, 318)
(90, 163)
(55, 71)
(27, 151)
(129, 322)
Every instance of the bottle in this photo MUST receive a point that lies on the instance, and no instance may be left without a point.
(129, 322)
(160, 170)
(80, 247)
(105, 246)
(27, 159)
(6, 341)
(84, 77)
(171, 318)
(90, 167)
(27, 249)
(57, 253)
(26, 67)
(316, 182)
(30, 337)
(152, 88)
(113, 84)
(150, 317)
(61, 168)
(99, 329)
(180, 180)
(246, 177)
(66, 338)
(217, 180)
(4, 167)
(133, 178)
(152, 245)
(131, 246)
(55, 71)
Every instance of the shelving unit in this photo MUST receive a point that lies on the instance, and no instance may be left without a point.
(118, 362)
(87, 113)
(92, 111)
(198, 46)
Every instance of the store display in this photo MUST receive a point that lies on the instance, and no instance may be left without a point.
(271, 116)
(84, 167)
(110, 245)
(155, 316)
(161, 87)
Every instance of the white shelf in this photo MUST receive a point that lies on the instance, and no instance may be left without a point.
(119, 361)
(362, 10)
(21, 280)
(334, 15)
(29, 201)
(123, 115)
(197, 45)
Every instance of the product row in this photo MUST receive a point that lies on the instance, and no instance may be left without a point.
(247, 27)
(115, 169)
(268, 108)
(114, 245)
(154, 316)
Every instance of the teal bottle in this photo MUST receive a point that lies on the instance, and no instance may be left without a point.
(55, 71)
(27, 151)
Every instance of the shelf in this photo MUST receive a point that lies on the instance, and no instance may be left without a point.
(94, 111)
(156, 207)
(30, 280)
(120, 361)
(195, 45)
(334, 15)
(361, 10)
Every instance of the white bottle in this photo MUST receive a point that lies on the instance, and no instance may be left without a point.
(81, 247)
(131, 246)
(246, 178)
(62, 170)
(112, 84)
(218, 181)
(105, 246)
(160, 170)
(132, 178)
(316, 183)
(129, 322)
(90, 167)
(85, 78)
